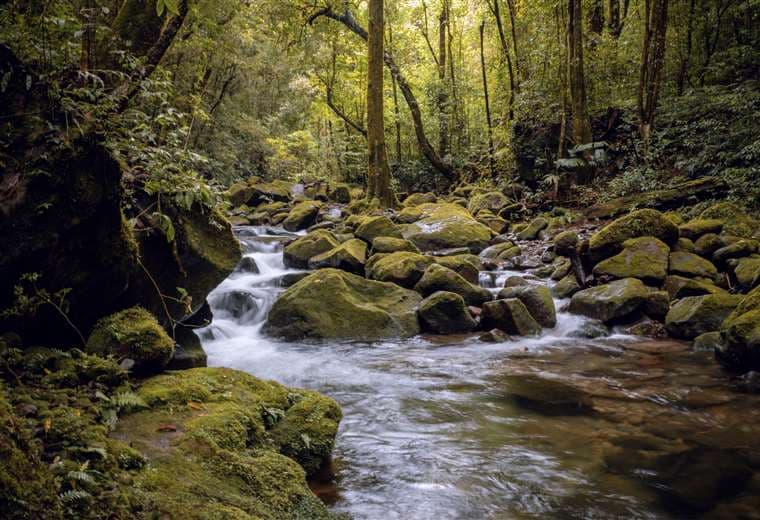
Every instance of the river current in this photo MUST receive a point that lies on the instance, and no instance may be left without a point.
(450, 427)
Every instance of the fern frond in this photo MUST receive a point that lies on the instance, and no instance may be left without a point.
(73, 496)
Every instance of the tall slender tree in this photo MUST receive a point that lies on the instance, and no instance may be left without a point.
(379, 174)
(652, 62)
(486, 99)
(575, 72)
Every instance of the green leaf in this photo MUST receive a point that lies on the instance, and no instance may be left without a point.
(160, 7)
(172, 6)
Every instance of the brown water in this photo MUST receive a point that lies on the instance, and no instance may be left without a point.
(554, 427)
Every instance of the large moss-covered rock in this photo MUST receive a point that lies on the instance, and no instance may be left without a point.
(740, 342)
(415, 199)
(531, 231)
(511, 316)
(133, 334)
(374, 227)
(748, 303)
(493, 201)
(335, 304)
(298, 253)
(738, 249)
(402, 268)
(537, 299)
(646, 222)
(501, 252)
(467, 266)
(690, 265)
(302, 216)
(223, 444)
(707, 244)
(274, 191)
(340, 193)
(701, 226)
(645, 258)
(679, 287)
(566, 243)
(440, 278)
(446, 226)
(409, 215)
(445, 313)
(747, 271)
(566, 287)
(612, 301)
(349, 256)
(736, 222)
(392, 245)
(695, 315)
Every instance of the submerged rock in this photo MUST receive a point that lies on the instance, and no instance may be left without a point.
(612, 301)
(133, 334)
(334, 304)
(553, 394)
(445, 313)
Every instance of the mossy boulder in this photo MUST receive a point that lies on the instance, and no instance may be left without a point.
(349, 256)
(392, 245)
(331, 303)
(447, 226)
(679, 287)
(409, 215)
(402, 268)
(133, 334)
(747, 271)
(242, 447)
(298, 253)
(501, 252)
(340, 193)
(738, 249)
(531, 231)
(302, 216)
(690, 265)
(566, 287)
(493, 201)
(739, 347)
(445, 313)
(612, 301)
(645, 258)
(707, 244)
(736, 221)
(415, 199)
(466, 266)
(701, 226)
(274, 191)
(374, 227)
(645, 222)
(748, 303)
(439, 278)
(239, 193)
(537, 299)
(511, 316)
(566, 243)
(689, 317)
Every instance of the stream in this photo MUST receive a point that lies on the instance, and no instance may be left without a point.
(560, 426)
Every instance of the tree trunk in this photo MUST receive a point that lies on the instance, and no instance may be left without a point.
(505, 50)
(683, 71)
(396, 109)
(519, 69)
(596, 17)
(652, 62)
(378, 173)
(347, 19)
(443, 94)
(613, 22)
(576, 78)
(487, 102)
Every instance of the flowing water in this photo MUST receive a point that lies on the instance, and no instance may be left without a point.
(560, 426)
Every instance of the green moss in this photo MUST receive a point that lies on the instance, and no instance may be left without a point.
(467, 266)
(135, 334)
(736, 221)
(645, 258)
(349, 256)
(402, 268)
(302, 216)
(330, 303)
(297, 253)
(446, 226)
(492, 200)
(440, 278)
(646, 222)
(531, 231)
(691, 265)
(698, 227)
(696, 315)
(374, 227)
(392, 245)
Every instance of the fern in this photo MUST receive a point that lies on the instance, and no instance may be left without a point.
(73, 496)
(127, 401)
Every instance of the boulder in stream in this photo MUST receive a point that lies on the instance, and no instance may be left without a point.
(645, 258)
(645, 222)
(537, 299)
(445, 313)
(612, 301)
(511, 316)
(373, 227)
(349, 256)
(439, 278)
(335, 304)
(445, 226)
(402, 268)
(695, 315)
(302, 216)
(298, 253)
